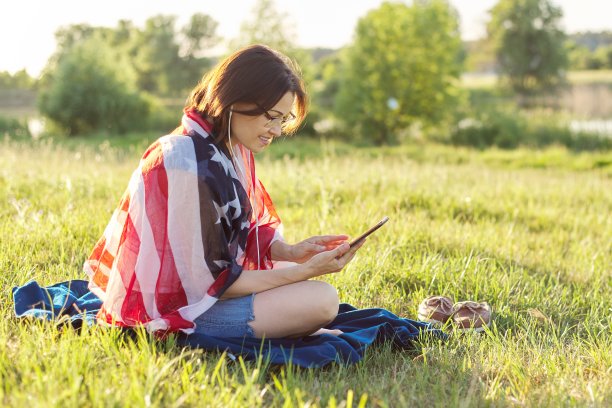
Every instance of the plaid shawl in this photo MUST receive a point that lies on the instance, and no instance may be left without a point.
(189, 223)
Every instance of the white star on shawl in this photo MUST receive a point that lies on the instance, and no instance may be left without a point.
(235, 205)
(221, 264)
(245, 224)
(221, 212)
(219, 158)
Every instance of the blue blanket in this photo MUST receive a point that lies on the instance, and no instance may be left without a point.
(72, 302)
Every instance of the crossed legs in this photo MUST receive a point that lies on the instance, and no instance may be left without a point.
(295, 310)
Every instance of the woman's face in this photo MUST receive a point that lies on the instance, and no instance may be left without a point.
(256, 132)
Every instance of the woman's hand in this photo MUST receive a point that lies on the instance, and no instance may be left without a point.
(303, 251)
(332, 261)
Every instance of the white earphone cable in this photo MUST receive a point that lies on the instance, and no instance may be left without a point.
(236, 167)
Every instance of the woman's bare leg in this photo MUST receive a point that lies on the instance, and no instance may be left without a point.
(294, 310)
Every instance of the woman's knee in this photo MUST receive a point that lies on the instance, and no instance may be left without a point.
(294, 310)
(326, 300)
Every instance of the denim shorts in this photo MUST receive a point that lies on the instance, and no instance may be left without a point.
(228, 318)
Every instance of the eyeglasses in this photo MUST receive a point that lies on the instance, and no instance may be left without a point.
(274, 121)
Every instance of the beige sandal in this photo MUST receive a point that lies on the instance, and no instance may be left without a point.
(436, 309)
(471, 316)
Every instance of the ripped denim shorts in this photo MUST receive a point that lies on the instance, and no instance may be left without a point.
(228, 318)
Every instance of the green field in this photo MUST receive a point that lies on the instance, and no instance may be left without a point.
(528, 231)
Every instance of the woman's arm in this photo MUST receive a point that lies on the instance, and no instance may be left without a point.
(261, 280)
(281, 251)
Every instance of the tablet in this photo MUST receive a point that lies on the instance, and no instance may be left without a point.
(368, 232)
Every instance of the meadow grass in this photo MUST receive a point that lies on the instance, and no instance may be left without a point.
(528, 231)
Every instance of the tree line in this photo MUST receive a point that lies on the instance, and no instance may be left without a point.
(591, 50)
(400, 74)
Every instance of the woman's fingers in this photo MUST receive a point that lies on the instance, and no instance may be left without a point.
(334, 260)
(351, 253)
(316, 247)
(328, 239)
(341, 250)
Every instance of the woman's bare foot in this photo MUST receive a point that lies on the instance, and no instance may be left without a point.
(334, 332)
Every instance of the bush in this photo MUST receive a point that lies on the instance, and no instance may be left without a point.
(509, 130)
(14, 128)
(555, 134)
(93, 89)
(493, 129)
(164, 117)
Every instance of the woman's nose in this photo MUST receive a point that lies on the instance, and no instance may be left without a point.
(275, 130)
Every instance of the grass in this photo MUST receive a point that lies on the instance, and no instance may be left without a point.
(528, 231)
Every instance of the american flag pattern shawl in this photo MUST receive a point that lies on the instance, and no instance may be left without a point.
(192, 219)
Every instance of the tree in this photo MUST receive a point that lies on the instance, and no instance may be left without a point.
(65, 37)
(578, 55)
(529, 44)
(93, 88)
(592, 39)
(401, 69)
(199, 36)
(19, 80)
(99, 77)
(157, 55)
(167, 61)
(165, 67)
(270, 27)
(323, 89)
(266, 26)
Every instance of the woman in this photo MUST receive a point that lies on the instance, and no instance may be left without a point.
(192, 244)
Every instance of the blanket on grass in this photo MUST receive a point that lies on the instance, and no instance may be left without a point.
(72, 302)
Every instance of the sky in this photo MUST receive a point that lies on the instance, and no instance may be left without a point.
(27, 27)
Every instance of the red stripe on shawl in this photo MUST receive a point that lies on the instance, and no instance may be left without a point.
(97, 256)
(124, 205)
(133, 310)
(266, 234)
(268, 224)
(176, 322)
(169, 292)
(193, 115)
(98, 250)
(219, 283)
(101, 256)
(107, 317)
(267, 201)
(107, 259)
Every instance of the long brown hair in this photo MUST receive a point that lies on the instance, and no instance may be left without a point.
(256, 75)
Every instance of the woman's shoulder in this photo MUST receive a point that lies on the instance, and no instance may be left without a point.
(185, 152)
